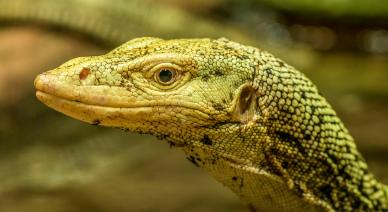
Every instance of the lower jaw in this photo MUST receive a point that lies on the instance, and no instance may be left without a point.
(94, 114)
(130, 119)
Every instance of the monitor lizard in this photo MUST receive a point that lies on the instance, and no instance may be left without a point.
(255, 123)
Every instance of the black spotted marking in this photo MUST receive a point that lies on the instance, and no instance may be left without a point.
(333, 158)
(285, 109)
(205, 78)
(218, 73)
(125, 75)
(242, 57)
(96, 122)
(206, 140)
(356, 204)
(272, 162)
(231, 96)
(124, 129)
(146, 52)
(299, 191)
(213, 161)
(303, 95)
(228, 48)
(236, 84)
(313, 109)
(173, 144)
(193, 160)
(327, 190)
(307, 136)
(129, 88)
(268, 71)
(241, 183)
(218, 106)
(342, 172)
(291, 140)
(162, 137)
(285, 164)
(232, 51)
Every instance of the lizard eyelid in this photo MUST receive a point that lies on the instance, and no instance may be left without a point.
(166, 74)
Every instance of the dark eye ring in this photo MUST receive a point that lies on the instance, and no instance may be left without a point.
(165, 76)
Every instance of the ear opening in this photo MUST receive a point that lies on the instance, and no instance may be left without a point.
(245, 107)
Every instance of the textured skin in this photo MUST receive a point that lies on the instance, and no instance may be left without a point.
(253, 122)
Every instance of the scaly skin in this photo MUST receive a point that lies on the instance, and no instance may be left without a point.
(253, 122)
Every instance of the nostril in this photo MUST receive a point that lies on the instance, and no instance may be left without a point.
(84, 73)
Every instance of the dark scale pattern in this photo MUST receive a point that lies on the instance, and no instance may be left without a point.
(311, 142)
(253, 122)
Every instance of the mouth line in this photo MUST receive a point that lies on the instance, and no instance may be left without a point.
(45, 95)
(41, 92)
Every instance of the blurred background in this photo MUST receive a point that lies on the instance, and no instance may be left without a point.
(49, 162)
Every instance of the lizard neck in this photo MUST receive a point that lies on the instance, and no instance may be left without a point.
(293, 149)
(258, 189)
(260, 173)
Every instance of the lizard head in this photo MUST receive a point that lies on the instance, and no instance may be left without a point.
(162, 87)
(240, 113)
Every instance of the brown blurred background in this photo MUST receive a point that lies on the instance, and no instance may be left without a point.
(49, 162)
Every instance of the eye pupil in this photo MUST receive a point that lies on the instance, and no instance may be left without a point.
(166, 76)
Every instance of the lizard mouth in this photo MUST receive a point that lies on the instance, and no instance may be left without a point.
(111, 106)
(96, 114)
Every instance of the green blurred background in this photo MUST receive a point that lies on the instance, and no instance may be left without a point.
(49, 162)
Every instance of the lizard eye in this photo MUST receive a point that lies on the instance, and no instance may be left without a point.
(165, 76)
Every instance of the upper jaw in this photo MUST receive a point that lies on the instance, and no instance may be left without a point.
(105, 105)
(129, 118)
(113, 105)
(54, 84)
